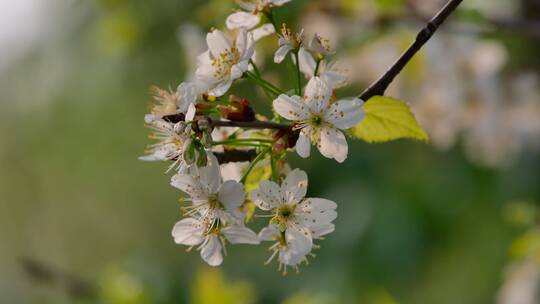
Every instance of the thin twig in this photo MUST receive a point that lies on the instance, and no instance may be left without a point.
(256, 124)
(380, 86)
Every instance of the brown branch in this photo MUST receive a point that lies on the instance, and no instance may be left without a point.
(256, 124)
(380, 86)
(230, 156)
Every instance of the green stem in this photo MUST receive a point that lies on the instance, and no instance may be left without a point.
(316, 73)
(257, 159)
(270, 16)
(275, 175)
(298, 75)
(258, 73)
(243, 141)
(264, 84)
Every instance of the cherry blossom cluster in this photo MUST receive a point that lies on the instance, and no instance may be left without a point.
(230, 162)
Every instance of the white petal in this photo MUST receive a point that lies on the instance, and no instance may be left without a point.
(322, 230)
(242, 19)
(211, 251)
(233, 170)
(278, 2)
(187, 94)
(268, 233)
(291, 107)
(268, 196)
(209, 176)
(191, 111)
(248, 5)
(335, 80)
(294, 187)
(317, 95)
(240, 235)
(313, 212)
(303, 146)
(282, 52)
(217, 42)
(333, 144)
(307, 63)
(345, 114)
(221, 88)
(299, 239)
(231, 195)
(189, 185)
(189, 232)
(263, 31)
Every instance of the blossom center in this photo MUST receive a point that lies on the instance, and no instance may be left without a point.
(213, 202)
(224, 62)
(316, 120)
(285, 212)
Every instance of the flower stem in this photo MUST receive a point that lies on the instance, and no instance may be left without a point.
(298, 74)
(316, 73)
(270, 15)
(257, 159)
(264, 84)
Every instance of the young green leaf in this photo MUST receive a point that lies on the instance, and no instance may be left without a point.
(388, 119)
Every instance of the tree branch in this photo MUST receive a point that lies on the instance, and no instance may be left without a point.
(256, 124)
(230, 156)
(380, 86)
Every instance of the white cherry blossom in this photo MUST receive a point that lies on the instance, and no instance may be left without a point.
(165, 104)
(251, 16)
(187, 94)
(319, 120)
(211, 197)
(329, 72)
(289, 249)
(210, 237)
(320, 45)
(288, 42)
(226, 60)
(172, 139)
(296, 220)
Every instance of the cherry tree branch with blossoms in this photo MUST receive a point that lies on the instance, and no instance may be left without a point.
(230, 161)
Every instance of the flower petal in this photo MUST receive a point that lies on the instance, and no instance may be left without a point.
(317, 95)
(263, 31)
(217, 43)
(299, 240)
(307, 63)
(291, 107)
(319, 231)
(303, 146)
(294, 187)
(211, 251)
(186, 94)
(333, 144)
(268, 196)
(221, 88)
(190, 185)
(189, 232)
(314, 212)
(268, 233)
(345, 114)
(240, 235)
(209, 175)
(231, 195)
(278, 2)
(242, 19)
(282, 52)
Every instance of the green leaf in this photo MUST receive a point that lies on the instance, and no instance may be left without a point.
(388, 119)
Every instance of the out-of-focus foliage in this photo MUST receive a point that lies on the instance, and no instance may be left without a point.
(209, 287)
(419, 223)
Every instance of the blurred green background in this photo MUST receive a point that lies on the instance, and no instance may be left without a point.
(83, 221)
